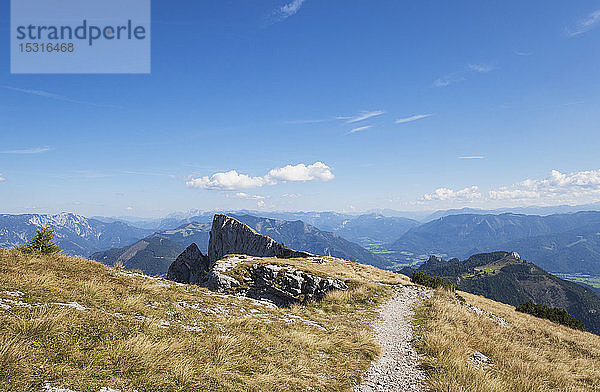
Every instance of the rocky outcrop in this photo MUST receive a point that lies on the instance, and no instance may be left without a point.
(191, 266)
(282, 285)
(230, 236)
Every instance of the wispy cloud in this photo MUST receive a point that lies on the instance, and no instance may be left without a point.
(572, 103)
(412, 118)
(449, 79)
(289, 9)
(36, 150)
(2, 179)
(519, 53)
(481, 68)
(302, 122)
(364, 115)
(472, 157)
(360, 129)
(591, 21)
(56, 97)
(461, 75)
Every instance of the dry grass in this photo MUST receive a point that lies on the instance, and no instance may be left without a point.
(529, 355)
(135, 333)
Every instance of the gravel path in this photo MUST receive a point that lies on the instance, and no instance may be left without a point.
(398, 368)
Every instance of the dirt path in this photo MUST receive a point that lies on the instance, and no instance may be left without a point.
(397, 369)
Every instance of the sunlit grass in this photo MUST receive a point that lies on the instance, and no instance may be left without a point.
(529, 355)
(151, 335)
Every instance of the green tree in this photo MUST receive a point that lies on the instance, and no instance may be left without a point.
(42, 242)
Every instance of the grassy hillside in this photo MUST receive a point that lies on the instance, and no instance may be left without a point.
(504, 278)
(75, 323)
(153, 255)
(79, 324)
(530, 354)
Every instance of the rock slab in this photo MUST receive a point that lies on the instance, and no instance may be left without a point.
(230, 236)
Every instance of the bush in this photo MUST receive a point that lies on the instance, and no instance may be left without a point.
(557, 315)
(434, 282)
(41, 243)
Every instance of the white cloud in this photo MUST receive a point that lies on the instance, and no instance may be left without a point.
(289, 9)
(290, 195)
(572, 187)
(260, 204)
(558, 188)
(360, 129)
(242, 195)
(519, 53)
(472, 157)
(129, 208)
(2, 177)
(232, 180)
(318, 171)
(583, 26)
(36, 150)
(412, 118)
(364, 115)
(442, 194)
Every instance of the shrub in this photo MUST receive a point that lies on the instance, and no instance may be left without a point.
(434, 282)
(41, 243)
(557, 315)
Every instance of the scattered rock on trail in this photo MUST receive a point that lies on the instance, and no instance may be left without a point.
(398, 368)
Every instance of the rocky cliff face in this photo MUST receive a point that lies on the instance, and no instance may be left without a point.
(282, 285)
(230, 236)
(190, 266)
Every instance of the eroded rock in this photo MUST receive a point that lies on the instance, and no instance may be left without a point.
(230, 236)
(281, 285)
(191, 266)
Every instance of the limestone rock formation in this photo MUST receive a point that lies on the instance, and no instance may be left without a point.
(190, 266)
(230, 236)
(282, 285)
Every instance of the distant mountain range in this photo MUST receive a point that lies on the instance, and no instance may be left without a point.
(567, 243)
(75, 234)
(531, 210)
(159, 250)
(369, 229)
(560, 243)
(299, 235)
(505, 277)
(154, 254)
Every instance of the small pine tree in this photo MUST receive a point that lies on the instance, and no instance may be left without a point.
(42, 242)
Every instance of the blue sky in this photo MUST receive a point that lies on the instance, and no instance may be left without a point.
(317, 105)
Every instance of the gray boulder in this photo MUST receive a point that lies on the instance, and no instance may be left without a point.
(284, 285)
